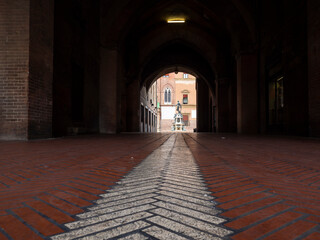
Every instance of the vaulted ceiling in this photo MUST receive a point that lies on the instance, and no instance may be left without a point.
(214, 32)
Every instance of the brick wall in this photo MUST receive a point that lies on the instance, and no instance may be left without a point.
(41, 69)
(313, 65)
(14, 58)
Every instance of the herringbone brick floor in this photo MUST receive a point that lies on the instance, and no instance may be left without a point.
(268, 188)
(192, 186)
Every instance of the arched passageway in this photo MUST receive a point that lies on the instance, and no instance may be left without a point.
(78, 67)
(86, 62)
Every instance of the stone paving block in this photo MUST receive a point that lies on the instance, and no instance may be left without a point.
(113, 215)
(116, 208)
(123, 229)
(184, 197)
(120, 197)
(181, 228)
(194, 222)
(103, 226)
(185, 203)
(186, 211)
(162, 234)
(123, 201)
(135, 236)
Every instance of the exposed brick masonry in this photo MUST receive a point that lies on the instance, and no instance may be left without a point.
(26, 69)
(14, 58)
(41, 69)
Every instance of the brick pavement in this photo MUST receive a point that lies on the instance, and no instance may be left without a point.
(267, 187)
(43, 184)
(261, 187)
(163, 198)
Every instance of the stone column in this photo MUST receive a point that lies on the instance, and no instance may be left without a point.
(203, 120)
(108, 90)
(40, 69)
(222, 104)
(313, 67)
(133, 106)
(26, 69)
(247, 94)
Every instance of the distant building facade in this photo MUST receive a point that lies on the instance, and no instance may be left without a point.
(148, 109)
(172, 88)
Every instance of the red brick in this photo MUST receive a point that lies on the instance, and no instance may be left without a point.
(267, 226)
(85, 188)
(3, 237)
(96, 180)
(14, 93)
(70, 198)
(78, 193)
(304, 203)
(60, 204)
(10, 225)
(234, 190)
(308, 211)
(230, 186)
(239, 195)
(50, 212)
(223, 183)
(292, 231)
(250, 207)
(314, 219)
(313, 236)
(38, 222)
(257, 216)
(91, 184)
(244, 200)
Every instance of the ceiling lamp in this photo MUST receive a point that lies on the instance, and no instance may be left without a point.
(180, 20)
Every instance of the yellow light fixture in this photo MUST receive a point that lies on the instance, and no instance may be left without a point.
(180, 20)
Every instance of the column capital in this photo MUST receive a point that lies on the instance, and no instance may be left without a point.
(223, 80)
(242, 53)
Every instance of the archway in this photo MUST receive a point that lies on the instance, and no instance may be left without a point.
(161, 100)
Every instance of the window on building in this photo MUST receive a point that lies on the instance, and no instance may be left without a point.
(142, 113)
(185, 75)
(146, 116)
(167, 96)
(186, 120)
(185, 99)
